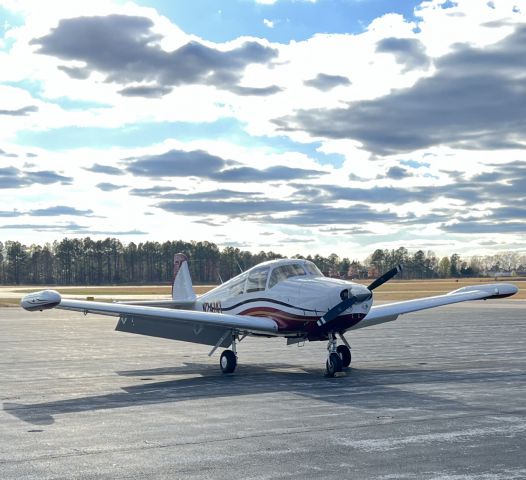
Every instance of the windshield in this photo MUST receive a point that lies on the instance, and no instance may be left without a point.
(313, 269)
(285, 271)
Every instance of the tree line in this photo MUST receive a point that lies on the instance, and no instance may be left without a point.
(84, 261)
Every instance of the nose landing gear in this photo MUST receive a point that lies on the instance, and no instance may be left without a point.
(339, 356)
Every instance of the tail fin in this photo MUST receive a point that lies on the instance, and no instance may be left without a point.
(182, 289)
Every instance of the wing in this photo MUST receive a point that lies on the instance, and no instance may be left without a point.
(187, 325)
(390, 311)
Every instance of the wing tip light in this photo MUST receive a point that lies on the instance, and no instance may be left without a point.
(493, 290)
(42, 300)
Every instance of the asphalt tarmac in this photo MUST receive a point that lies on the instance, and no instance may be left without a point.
(435, 395)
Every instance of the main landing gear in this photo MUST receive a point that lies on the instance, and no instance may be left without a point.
(228, 359)
(339, 356)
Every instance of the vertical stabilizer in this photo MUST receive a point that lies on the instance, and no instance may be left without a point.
(182, 290)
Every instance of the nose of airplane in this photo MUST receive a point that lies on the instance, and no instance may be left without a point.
(361, 293)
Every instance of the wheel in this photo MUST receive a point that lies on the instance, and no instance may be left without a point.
(334, 364)
(345, 354)
(228, 361)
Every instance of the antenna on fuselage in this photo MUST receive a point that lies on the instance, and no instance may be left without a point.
(238, 266)
(219, 275)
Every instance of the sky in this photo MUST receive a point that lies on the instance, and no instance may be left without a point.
(297, 126)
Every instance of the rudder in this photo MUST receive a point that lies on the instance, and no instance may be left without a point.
(182, 289)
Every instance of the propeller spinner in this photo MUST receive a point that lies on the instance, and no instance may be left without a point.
(362, 297)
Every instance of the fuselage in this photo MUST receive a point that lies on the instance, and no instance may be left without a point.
(294, 293)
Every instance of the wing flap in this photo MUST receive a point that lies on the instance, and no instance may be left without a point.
(390, 311)
(185, 332)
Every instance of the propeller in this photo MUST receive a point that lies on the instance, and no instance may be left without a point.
(362, 297)
(385, 277)
(336, 310)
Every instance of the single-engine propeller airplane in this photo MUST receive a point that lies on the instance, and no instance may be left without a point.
(288, 298)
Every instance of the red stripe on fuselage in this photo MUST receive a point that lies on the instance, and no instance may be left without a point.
(288, 322)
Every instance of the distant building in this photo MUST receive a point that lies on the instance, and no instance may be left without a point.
(499, 273)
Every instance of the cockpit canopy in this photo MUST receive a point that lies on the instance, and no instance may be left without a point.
(267, 276)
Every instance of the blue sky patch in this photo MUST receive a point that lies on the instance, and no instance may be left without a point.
(142, 135)
(221, 21)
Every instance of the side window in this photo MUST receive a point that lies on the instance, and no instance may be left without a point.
(298, 269)
(277, 275)
(257, 280)
(238, 286)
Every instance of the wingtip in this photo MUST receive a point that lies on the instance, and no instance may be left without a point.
(42, 300)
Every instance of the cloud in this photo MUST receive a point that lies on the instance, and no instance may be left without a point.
(64, 227)
(281, 211)
(10, 214)
(76, 73)
(107, 169)
(20, 112)
(6, 154)
(486, 227)
(58, 211)
(228, 208)
(407, 51)
(320, 215)
(47, 177)
(297, 240)
(198, 163)
(126, 50)
(397, 173)
(12, 177)
(176, 163)
(325, 82)
(220, 194)
(475, 100)
(70, 228)
(108, 187)
(255, 91)
(277, 173)
(148, 91)
(151, 191)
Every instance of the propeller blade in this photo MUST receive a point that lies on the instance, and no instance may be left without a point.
(385, 277)
(336, 310)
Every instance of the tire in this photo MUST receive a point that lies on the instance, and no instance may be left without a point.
(228, 361)
(334, 364)
(345, 355)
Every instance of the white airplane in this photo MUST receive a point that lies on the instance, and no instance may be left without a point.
(281, 298)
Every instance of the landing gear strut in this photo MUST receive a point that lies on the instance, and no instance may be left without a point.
(334, 362)
(339, 356)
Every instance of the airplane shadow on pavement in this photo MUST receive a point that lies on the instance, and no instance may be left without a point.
(360, 388)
